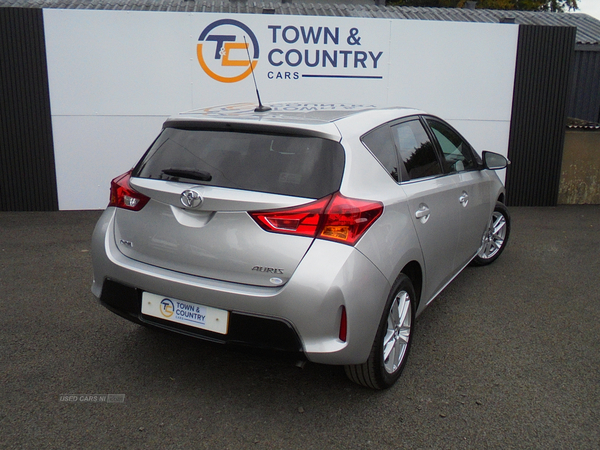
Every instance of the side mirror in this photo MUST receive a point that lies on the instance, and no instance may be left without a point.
(494, 161)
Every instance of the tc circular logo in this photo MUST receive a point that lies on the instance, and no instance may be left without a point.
(167, 308)
(223, 49)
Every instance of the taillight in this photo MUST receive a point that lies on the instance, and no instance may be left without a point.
(122, 195)
(335, 217)
(302, 220)
(347, 219)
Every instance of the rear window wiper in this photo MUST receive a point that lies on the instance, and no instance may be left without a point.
(191, 174)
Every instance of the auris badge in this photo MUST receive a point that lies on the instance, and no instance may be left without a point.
(191, 199)
(223, 48)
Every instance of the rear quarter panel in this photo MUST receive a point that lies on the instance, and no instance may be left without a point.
(391, 242)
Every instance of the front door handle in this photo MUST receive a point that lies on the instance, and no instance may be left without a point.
(464, 198)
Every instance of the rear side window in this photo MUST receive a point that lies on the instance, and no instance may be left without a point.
(300, 166)
(416, 150)
(381, 144)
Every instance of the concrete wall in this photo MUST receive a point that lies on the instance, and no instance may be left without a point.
(580, 178)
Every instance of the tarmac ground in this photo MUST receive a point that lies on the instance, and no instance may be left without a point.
(508, 356)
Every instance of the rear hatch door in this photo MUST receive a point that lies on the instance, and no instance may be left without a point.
(203, 182)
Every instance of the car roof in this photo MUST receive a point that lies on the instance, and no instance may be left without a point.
(317, 117)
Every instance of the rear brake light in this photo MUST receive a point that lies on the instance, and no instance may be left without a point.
(122, 195)
(335, 217)
(302, 220)
(347, 219)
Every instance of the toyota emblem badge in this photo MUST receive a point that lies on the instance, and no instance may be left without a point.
(191, 199)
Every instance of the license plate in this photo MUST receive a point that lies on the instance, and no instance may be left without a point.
(186, 313)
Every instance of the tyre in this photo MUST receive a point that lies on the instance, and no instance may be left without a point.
(392, 342)
(495, 237)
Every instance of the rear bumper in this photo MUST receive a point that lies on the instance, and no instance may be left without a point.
(244, 329)
(302, 315)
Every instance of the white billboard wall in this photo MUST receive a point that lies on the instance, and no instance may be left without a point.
(115, 76)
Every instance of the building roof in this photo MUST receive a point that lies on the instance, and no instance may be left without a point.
(579, 124)
(588, 28)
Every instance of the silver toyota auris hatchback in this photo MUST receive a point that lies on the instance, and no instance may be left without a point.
(321, 229)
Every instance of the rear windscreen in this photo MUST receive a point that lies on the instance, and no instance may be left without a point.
(301, 166)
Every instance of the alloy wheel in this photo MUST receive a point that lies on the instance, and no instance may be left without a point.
(397, 336)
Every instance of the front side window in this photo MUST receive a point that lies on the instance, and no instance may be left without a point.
(300, 166)
(416, 150)
(457, 153)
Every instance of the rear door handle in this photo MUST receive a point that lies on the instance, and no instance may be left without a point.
(422, 213)
(464, 198)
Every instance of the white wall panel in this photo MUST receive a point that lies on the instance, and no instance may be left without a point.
(117, 62)
(455, 70)
(91, 151)
(114, 76)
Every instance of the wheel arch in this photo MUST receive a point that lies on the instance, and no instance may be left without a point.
(414, 272)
